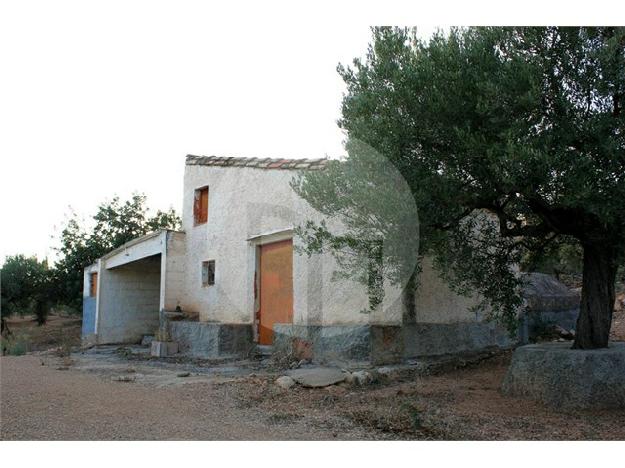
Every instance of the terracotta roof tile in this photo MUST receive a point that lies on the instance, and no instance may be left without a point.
(261, 163)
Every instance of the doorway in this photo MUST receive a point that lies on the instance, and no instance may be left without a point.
(276, 287)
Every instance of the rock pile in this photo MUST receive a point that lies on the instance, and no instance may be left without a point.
(318, 377)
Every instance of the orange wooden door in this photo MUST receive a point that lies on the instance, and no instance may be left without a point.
(276, 288)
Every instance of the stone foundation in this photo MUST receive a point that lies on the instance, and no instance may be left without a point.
(561, 377)
(212, 340)
(386, 344)
(323, 344)
(163, 348)
(436, 339)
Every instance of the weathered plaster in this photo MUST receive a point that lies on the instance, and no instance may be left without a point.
(245, 206)
(437, 303)
(173, 271)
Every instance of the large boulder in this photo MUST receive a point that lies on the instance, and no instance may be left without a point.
(549, 303)
(562, 377)
(545, 292)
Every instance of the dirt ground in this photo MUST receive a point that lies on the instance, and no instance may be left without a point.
(115, 393)
(40, 402)
(464, 404)
(47, 397)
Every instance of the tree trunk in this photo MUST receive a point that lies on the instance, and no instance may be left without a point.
(598, 295)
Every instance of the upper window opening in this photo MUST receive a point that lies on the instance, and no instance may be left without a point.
(200, 206)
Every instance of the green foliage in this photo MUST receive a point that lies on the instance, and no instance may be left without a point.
(562, 256)
(509, 139)
(26, 287)
(368, 207)
(115, 223)
(30, 286)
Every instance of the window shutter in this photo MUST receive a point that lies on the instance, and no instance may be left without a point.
(200, 206)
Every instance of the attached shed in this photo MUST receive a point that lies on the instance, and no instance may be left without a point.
(126, 290)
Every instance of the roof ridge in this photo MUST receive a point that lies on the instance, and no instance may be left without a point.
(258, 163)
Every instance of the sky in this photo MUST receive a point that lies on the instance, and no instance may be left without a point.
(106, 101)
(99, 99)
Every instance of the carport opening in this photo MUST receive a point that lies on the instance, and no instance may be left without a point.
(132, 299)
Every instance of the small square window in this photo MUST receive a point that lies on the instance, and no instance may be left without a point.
(208, 273)
(200, 206)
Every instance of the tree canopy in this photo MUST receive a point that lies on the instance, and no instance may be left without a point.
(25, 286)
(114, 223)
(30, 286)
(511, 140)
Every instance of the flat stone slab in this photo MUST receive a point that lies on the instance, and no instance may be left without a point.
(317, 377)
(562, 377)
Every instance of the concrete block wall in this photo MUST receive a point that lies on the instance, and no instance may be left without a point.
(129, 301)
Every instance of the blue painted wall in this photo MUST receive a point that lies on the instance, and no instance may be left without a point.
(88, 316)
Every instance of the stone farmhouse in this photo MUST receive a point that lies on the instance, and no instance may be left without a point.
(231, 282)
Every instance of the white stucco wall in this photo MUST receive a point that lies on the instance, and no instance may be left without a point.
(173, 268)
(248, 202)
(437, 303)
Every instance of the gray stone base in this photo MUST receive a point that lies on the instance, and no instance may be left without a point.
(436, 339)
(323, 344)
(385, 344)
(163, 348)
(561, 377)
(212, 340)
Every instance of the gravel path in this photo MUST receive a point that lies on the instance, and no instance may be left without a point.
(39, 402)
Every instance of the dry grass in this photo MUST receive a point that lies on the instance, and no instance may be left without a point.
(59, 332)
(464, 404)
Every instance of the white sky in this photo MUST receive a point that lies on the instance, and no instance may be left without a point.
(105, 98)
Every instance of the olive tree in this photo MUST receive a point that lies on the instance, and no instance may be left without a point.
(524, 125)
